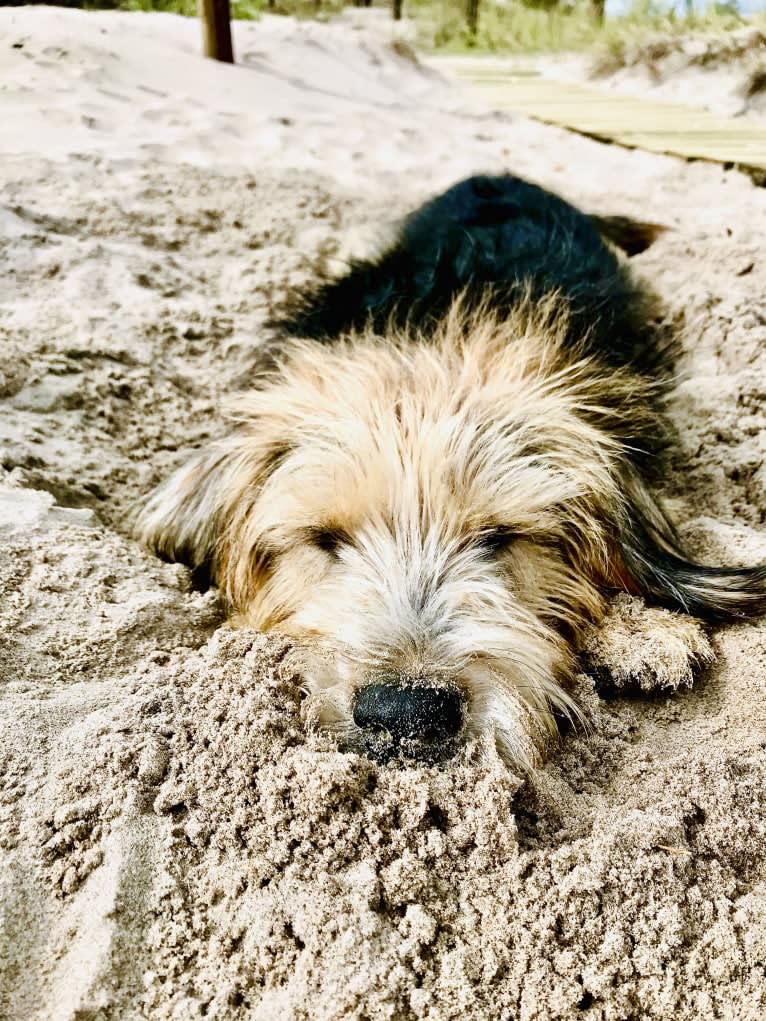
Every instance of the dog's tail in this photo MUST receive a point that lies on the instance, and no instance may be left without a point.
(653, 555)
(632, 236)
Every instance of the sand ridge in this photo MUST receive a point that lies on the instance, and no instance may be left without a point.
(174, 843)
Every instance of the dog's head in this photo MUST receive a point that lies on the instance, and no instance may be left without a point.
(434, 524)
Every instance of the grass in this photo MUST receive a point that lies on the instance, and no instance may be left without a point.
(645, 37)
(244, 9)
(239, 8)
(512, 26)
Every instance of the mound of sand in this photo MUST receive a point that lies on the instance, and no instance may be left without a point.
(173, 843)
(724, 72)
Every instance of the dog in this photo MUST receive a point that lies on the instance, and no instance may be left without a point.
(446, 471)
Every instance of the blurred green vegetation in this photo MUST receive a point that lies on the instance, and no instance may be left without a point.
(508, 26)
(245, 9)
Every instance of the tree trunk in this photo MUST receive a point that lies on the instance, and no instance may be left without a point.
(398, 10)
(472, 16)
(216, 29)
(598, 10)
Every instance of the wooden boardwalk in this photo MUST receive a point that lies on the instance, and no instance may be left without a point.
(668, 128)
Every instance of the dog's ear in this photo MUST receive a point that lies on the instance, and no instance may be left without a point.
(650, 560)
(199, 517)
(183, 518)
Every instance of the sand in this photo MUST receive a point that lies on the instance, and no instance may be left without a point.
(723, 72)
(174, 842)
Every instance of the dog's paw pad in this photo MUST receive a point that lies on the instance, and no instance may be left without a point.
(638, 647)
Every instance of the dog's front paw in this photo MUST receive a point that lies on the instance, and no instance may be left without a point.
(643, 648)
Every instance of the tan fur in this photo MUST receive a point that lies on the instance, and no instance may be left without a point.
(644, 648)
(405, 456)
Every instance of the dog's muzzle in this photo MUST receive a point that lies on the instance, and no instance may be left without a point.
(416, 720)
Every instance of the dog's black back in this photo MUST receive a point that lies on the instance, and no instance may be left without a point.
(493, 240)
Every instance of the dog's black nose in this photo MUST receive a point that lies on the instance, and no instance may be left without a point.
(419, 720)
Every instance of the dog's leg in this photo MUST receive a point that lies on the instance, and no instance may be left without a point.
(644, 648)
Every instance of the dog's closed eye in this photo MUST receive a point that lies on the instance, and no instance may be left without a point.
(494, 541)
(329, 538)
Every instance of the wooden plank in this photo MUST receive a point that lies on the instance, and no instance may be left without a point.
(668, 128)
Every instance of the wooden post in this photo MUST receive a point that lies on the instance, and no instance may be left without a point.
(216, 29)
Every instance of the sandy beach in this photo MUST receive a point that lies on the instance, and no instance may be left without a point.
(722, 72)
(174, 841)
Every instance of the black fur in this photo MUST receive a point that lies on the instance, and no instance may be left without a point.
(654, 557)
(496, 237)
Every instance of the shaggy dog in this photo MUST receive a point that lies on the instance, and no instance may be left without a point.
(438, 482)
